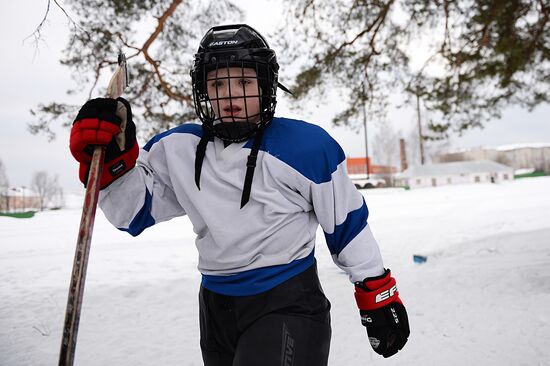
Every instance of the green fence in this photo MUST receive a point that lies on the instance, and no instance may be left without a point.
(18, 215)
(530, 175)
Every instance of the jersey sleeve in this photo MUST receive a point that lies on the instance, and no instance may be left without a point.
(143, 196)
(340, 209)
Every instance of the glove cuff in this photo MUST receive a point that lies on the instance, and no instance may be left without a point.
(376, 292)
(113, 169)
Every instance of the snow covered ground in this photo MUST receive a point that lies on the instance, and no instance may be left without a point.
(482, 298)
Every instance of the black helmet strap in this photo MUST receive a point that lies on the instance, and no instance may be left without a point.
(251, 166)
(199, 156)
(250, 162)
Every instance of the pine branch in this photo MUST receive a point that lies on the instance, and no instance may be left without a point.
(376, 24)
(155, 64)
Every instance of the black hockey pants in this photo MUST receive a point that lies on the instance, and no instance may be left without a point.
(288, 325)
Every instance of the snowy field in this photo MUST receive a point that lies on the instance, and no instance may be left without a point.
(482, 298)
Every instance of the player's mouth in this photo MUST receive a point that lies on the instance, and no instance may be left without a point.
(232, 110)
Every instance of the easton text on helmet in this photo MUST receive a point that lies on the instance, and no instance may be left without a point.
(223, 43)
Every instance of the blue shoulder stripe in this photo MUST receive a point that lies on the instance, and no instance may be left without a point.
(305, 147)
(143, 219)
(258, 280)
(191, 128)
(344, 233)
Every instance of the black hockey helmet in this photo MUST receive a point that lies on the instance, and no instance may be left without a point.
(236, 45)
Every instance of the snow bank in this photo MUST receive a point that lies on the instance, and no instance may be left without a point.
(480, 298)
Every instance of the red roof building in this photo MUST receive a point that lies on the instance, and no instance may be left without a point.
(359, 166)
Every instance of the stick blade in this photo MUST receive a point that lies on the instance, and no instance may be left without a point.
(119, 80)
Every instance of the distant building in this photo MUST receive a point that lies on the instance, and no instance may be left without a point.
(18, 199)
(359, 166)
(518, 156)
(439, 174)
(357, 171)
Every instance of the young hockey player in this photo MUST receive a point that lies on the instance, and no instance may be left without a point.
(255, 188)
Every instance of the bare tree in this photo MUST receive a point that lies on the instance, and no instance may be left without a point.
(412, 149)
(386, 149)
(4, 185)
(58, 199)
(46, 187)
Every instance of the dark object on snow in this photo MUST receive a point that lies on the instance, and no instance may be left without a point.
(419, 258)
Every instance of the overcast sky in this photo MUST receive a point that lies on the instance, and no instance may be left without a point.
(30, 77)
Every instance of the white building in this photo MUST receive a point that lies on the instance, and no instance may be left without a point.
(460, 172)
(19, 199)
(519, 156)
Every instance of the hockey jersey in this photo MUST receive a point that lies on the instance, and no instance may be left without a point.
(300, 182)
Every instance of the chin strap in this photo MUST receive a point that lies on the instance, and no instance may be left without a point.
(199, 156)
(251, 166)
(250, 163)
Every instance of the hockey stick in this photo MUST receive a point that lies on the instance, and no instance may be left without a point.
(116, 87)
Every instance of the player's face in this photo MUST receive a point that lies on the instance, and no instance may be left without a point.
(234, 94)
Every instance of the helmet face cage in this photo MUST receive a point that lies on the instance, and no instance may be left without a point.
(226, 77)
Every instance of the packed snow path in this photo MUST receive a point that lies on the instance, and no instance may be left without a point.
(481, 298)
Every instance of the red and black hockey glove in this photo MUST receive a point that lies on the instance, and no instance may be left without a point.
(97, 123)
(382, 313)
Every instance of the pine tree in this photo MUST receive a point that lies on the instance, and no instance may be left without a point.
(159, 39)
(483, 55)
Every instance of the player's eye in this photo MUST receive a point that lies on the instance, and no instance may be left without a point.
(217, 83)
(245, 82)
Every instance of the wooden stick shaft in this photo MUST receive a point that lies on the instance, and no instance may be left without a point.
(78, 276)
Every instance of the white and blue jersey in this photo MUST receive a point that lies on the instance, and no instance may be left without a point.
(300, 182)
